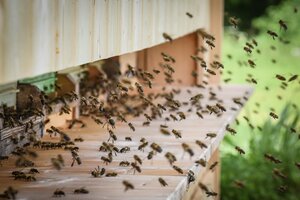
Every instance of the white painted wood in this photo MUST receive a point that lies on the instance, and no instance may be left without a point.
(40, 36)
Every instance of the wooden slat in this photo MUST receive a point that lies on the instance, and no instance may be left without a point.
(146, 183)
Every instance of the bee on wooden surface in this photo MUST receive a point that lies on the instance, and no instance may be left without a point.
(148, 117)
(124, 149)
(167, 37)
(189, 15)
(201, 162)
(211, 135)
(177, 133)
(150, 155)
(178, 169)
(213, 165)
(272, 34)
(135, 167)
(292, 78)
(187, 148)
(170, 157)
(106, 160)
(128, 139)
(272, 158)
(165, 131)
(131, 126)
(30, 178)
(273, 115)
(112, 136)
(81, 190)
(128, 185)
(33, 171)
(142, 146)
(78, 139)
(97, 172)
(156, 147)
(138, 159)
(211, 72)
(98, 121)
(278, 173)
(234, 21)
(146, 123)
(111, 174)
(59, 193)
(124, 164)
(167, 58)
(240, 150)
(283, 25)
(199, 114)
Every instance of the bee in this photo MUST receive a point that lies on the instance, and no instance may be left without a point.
(81, 191)
(165, 131)
(211, 135)
(156, 71)
(272, 158)
(201, 162)
(167, 37)
(125, 149)
(211, 193)
(278, 173)
(190, 177)
(30, 178)
(170, 157)
(148, 117)
(230, 130)
(178, 169)
(282, 188)
(189, 15)
(203, 187)
(131, 126)
(124, 164)
(58, 162)
(273, 115)
(240, 150)
(173, 117)
(187, 148)
(177, 133)
(150, 155)
(97, 172)
(128, 185)
(294, 77)
(210, 43)
(58, 193)
(234, 21)
(254, 42)
(135, 167)
(162, 182)
(33, 171)
(201, 144)
(146, 123)
(79, 139)
(137, 159)
(213, 165)
(111, 174)
(181, 115)
(128, 139)
(279, 77)
(156, 147)
(297, 164)
(272, 34)
(251, 63)
(142, 146)
(283, 25)
(248, 50)
(112, 136)
(199, 114)
(239, 184)
(9, 193)
(106, 160)
(221, 107)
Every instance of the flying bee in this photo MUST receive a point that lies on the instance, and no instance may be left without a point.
(234, 21)
(148, 117)
(282, 188)
(58, 193)
(273, 115)
(240, 150)
(199, 114)
(278, 173)
(178, 169)
(280, 77)
(176, 133)
(81, 190)
(170, 157)
(251, 63)
(211, 135)
(146, 123)
(187, 148)
(272, 34)
(128, 185)
(181, 115)
(156, 71)
(131, 126)
(201, 162)
(190, 177)
(137, 159)
(189, 15)
(173, 117)
(283, 25)
(167, 37)
(230, 130)
(294, 77)
(210, 43)
(297, 164)
(221, 107)
(156, 147)
(248, 50)
(124, 164)
(211, 193)
(135, 167)
(272, 158)
(239, 184)
(165, 131)
(213, 165)
(203, 187)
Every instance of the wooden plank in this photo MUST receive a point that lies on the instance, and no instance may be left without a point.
(146, 183)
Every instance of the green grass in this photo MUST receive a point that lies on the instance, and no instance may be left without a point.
(287, 64)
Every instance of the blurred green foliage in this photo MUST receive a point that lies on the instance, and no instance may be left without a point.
(255, 171)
